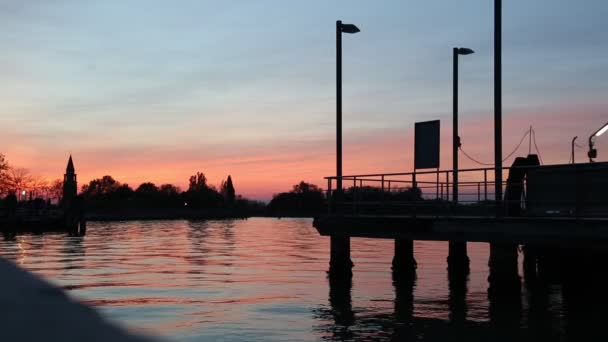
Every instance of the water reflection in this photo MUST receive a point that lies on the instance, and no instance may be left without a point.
(74, 252)
(404, 296)
(198, 234)
(341, 309)
(457, 283)
(264, 279)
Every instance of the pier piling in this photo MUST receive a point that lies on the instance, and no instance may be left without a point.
(404, 262)
(340, 262)
(458, 260)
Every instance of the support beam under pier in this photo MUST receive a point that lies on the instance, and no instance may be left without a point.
(340, 262)
(458, 260)
(404, 262)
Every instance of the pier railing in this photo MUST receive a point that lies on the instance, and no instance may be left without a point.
(579, 190)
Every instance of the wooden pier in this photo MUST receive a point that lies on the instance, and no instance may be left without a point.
(554, 214)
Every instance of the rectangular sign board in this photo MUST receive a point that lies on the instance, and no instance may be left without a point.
(426, 145)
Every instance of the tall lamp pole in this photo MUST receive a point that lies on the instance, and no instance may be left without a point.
(340, 262)
(456, 138)
(498, 105)
(340, 28)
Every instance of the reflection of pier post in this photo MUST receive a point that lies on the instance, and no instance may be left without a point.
(584, 295)
(537, 297)
(404, 295)
(530, 264)
(340, 299)
(457, 282)
(505, 316)
(550, 265)
(340, 262)
(504, 292)
(504, 278)
(404, 262)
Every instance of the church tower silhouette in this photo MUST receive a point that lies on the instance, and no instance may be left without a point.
(70, 186)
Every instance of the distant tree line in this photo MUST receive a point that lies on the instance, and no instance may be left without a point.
(307, 199)
(108, 193)
(304, 199)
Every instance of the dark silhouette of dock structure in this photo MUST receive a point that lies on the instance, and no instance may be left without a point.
(556, 214)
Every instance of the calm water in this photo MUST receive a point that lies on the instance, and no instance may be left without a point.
(265, 279)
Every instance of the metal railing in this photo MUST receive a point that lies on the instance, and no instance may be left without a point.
(554, 190)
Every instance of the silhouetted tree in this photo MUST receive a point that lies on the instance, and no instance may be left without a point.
(227, 190)
(169, 190)
(39, 187)
(200, 194)
(18, 179)
(3, 169)
(304, 187)
(304, 199)
(123, 192)
(3, 163)
(56, 190)
(101, 186)
(147, 189)
(198, 182)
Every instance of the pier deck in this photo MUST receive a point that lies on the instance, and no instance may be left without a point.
(560, 231)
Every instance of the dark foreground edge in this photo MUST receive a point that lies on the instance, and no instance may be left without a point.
(31, 309)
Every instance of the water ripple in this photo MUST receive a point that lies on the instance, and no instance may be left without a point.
(265, 279)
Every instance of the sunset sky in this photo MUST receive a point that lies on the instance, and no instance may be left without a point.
(157, 90)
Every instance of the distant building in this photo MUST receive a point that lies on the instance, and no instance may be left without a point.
(70, 186)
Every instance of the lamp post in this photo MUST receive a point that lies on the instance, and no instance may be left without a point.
(340, 263)
(456, 138)
(458, 260)
(498, 106)
(592, 151)
(340, 28)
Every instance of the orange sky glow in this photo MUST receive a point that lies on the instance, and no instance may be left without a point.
(264, 170)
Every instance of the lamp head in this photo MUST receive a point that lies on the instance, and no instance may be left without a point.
(602, 130)
(465, 51)
(349, 28)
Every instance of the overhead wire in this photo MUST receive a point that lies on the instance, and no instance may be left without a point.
(505, 159)
(473, 159)
(536, 147)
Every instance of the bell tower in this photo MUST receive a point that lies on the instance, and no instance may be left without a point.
(70, 186)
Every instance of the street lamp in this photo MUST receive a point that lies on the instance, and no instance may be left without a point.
(592, 151)
(340, 28)
(498, 106)
(456, 138)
